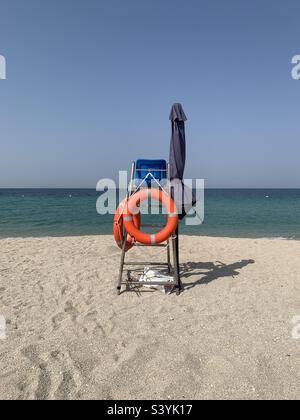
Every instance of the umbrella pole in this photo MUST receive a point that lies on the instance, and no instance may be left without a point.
(175, 245)
(177, 258)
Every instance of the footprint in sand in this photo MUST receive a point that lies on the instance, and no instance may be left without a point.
(44, 381)
(60, 369)
(66, 386)
(93, 317)
(57, 319)
(71, 310)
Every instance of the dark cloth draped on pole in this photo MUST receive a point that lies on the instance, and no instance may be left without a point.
(177, 147)
(183, 195)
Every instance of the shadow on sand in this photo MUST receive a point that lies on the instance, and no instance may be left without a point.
(210, 271)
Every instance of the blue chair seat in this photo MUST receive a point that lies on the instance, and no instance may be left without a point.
(158, 169)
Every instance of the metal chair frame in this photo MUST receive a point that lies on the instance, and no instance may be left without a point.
(173, 240)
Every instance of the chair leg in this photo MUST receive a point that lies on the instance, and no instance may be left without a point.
(169, 257)
(121, 265)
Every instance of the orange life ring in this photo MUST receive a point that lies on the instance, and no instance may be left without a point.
(132, 208)
(118, 227)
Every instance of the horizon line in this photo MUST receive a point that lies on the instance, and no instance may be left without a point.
(94, 188)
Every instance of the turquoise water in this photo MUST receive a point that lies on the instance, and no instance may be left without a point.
(234, 213)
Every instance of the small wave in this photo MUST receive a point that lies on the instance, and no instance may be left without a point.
(281, 238)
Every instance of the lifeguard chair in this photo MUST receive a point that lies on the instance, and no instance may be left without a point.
(146, 173)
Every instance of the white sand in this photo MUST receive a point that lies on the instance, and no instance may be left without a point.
(228, 336)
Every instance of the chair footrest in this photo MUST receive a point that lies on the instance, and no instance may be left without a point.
(150, 283)
(145, 263)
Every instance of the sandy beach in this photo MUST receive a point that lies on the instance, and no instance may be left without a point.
(228, 336)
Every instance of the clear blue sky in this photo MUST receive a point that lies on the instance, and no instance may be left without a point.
(90, 84)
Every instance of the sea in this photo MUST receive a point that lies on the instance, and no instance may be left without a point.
(239, 213)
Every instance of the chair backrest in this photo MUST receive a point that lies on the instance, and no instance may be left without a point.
(157, 168)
